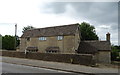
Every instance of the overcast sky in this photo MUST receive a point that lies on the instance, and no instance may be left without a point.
(41, 13)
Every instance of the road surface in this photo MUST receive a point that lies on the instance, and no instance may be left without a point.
(15, 68)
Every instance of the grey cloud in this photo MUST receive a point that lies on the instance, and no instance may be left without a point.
(102, 12)
(114, 26)
(60, 7)
(97, 13)
(55, 7)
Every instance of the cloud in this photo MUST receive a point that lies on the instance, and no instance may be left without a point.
(103, 15)
(102, 12)
(41, 14)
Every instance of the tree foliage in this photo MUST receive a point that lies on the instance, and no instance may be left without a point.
(115, 52)
(88, 32)
(26, 28)
(0, 41)
(8, 42)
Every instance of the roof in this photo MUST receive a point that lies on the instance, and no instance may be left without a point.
(52, 31)
(93, 46)
(52, 49)
(32, 48)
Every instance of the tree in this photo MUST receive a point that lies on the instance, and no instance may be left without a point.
(8, 42)
(0, 41)
(88, 32)
(0, 35)
(26, 28)
(17, 41)
(115, 52)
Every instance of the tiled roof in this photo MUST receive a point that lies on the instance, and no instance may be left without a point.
(93, 46)
(52, 31)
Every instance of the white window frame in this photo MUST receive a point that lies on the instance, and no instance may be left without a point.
(59, 37)
(42, 38)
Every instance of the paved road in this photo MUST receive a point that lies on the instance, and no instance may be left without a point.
(15, 68)
(60, 66)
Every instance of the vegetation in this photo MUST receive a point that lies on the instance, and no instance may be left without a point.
(0, 41)
(26, 28)
(8, 42)
(88, 32)
(115, 54)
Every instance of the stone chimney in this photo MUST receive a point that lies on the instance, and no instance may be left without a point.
(108, 37)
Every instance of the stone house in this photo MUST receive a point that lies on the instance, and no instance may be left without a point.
(59, 39)
(100, 49)
(65, 39)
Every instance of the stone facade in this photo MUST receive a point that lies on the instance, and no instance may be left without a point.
(104, 57)
(65, 40)
(68, 44)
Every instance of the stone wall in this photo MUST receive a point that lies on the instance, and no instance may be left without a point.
(103, 57)
(67, 58)
(67, 45)
(22, 44)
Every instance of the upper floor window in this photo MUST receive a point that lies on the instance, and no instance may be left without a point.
(28, 38)
(59, 37)
(42, 38)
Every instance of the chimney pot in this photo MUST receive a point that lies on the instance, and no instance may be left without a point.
(108, 37)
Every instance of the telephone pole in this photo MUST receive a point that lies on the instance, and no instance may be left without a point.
(15, 34)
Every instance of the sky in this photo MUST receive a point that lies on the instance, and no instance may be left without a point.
(103, 15)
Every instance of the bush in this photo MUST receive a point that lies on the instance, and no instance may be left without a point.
(8, 42)
(115, 53)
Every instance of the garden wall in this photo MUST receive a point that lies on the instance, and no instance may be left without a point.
(83, 59)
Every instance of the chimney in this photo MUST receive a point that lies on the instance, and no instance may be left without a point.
(108, 37)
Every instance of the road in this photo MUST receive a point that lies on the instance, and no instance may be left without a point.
(15, 68)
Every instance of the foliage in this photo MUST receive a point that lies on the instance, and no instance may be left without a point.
(0, 41)
(17, 41)
(26, 28)
(115, 53)
(8, 42)
(88, 32)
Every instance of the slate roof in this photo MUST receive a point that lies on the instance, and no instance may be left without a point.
(52, 31)
(92, 47)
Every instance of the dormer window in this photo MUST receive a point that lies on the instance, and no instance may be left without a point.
(59, 37)
(42, 38)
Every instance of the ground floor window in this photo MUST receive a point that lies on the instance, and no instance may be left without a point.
(51, 51)
(32, 49)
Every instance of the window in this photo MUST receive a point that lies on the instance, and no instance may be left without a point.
(51, 51)
(59, 37)
(42, 38)
(28, 38)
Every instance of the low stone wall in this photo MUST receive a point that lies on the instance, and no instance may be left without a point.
(67, 58)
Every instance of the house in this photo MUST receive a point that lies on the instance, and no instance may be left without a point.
(58, 39)
(65, 39)
(100, 49)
